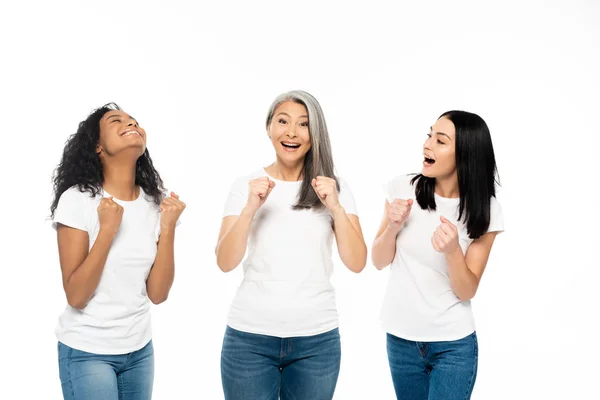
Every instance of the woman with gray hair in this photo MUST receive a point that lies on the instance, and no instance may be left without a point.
(282, 338)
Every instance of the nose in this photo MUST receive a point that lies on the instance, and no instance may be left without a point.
(132, 122)
(291, 132)
(427, 144)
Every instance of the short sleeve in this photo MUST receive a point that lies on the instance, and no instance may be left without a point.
(399, 188)
(237, 197)
(496, 217)
(347, 198)
(70, 210)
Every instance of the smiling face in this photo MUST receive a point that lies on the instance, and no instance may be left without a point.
(289, 132)
(440, 150)
(120, 133)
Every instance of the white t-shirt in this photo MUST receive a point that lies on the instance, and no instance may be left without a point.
(117, 318)
(286, 290)
(419, 303)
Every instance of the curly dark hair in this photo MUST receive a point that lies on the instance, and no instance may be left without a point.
(80, 164)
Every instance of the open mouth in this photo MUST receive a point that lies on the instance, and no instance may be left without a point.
(290, 145)
(131, 132)
(429, 161)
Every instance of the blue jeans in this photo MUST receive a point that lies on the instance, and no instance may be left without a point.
(433, 370)
(88, 376)
(259, 367)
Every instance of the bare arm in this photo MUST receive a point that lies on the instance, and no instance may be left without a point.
(233, 239)
(81, 270)
(466, 271)
(349, 238)
(233, 236)
(162, 274)
(384, 246)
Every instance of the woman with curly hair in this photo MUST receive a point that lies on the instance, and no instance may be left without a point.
(115, 229)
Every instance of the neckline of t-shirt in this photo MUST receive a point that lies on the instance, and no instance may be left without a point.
(106, 194)
(446, 199)
(279, 180)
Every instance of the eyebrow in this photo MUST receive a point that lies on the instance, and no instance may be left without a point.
(118, 115)
(440, 133)
(288, 115)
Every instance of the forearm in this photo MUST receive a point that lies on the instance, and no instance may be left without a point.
(232, 246)
(351, 245)
(464, 283)
(384, 249)
(162, 274)
(82, 283)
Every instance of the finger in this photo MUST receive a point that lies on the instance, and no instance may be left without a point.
(174, 195)
(314, 182)
(443, 236)
(446, 221)
(447, 229)
(271, 184)
(399, 202)
(434, 244)
(409, 202)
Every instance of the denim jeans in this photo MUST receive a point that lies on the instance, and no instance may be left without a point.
(88, 376)
(260, 367)
(433, 370)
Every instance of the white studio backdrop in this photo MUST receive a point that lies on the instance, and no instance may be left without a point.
(200, 76)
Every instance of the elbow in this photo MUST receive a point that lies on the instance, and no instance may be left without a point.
(226, 265)
(378, 262)
(357, 267)
(357, 263)
(466, 295)
(76, 303)
(156, 300)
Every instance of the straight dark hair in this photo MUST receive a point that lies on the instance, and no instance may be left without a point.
(476, 170)
(318, 160)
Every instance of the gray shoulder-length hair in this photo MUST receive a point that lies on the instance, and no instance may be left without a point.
(318, 160)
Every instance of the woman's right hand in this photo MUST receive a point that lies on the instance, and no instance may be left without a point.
(398, 213)
(110, 215)
(258, 191)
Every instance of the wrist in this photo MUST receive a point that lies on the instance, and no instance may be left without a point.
(337, 210)
(106, 233)
(167, 228)
(248, 212)
(455, 253)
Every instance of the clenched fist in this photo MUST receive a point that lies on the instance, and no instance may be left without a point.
(398, 213)
(110, 215)
(326, 189)
(445, 237)
(258, 192)
(170, 211)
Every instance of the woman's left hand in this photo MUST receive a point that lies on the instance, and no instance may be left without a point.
(445, 237)
(326, 189)
(170, 210)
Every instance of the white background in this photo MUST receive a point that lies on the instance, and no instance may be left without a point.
(200, 76)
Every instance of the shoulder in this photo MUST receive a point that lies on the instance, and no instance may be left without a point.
(401, 187)
(74, 195)
(241, 182)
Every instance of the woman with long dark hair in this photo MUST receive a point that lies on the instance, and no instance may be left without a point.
(282, 338)
(437, 232)
(116, 230)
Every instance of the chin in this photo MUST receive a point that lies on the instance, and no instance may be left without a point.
(426, 172)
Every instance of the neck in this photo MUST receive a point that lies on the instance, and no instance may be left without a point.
(119, 179)
(285, 171)
(447, 186)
